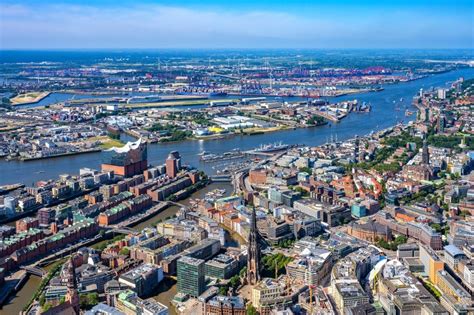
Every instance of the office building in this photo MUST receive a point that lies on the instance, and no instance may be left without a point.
(191, 273)
(143, 279)
(221, 267)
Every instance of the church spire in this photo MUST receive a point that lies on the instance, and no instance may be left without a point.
(72, 296)
(253, 261)
(425, 155)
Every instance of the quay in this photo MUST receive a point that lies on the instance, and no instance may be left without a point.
(9, 188)
(60, 155)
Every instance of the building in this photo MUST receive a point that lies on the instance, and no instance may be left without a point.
(128, 160)
(129, 303)
(45, 216)
(370, 231)
(358, 210)
(400, 292)
(253, 260)
(191, 273)
(452, 256)
(25, 224)
(271, 294)
(71, 300)
(173, 164)
(10, 204)
(142, 279)
(103, 309)
(431, 262)
(349, 294)
(221, 267)
(224, 305)
(311, 266)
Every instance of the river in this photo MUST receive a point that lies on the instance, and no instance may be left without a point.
(165, 291)
(384, 114)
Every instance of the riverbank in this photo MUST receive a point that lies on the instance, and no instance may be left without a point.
(59, 155)
(29, 98)
(383, 115)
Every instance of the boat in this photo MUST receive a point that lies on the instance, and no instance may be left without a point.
(203, 153)
(265, 148)
(208, 157)
(217, 94)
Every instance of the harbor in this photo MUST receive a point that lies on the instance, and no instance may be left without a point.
(382, 115)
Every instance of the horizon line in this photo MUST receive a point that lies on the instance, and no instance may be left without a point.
(234, 48)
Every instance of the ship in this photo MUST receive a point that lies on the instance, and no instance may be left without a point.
(217, 94)
(144, 99)
(203, 153)
(271, 147)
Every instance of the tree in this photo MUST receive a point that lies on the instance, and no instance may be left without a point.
(223, 290)
(243, 272)
(251, 310)
(87, 301)
(46, 306)
(125, 251)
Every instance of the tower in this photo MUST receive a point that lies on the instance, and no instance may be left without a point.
(356, 150)
(173, 164)
(253, 260)
(72, 297)
(425, 155)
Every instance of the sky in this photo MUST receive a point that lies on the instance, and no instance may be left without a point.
(41, 24)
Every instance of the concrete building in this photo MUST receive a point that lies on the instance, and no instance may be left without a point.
(191, 272)
(142, 279)
(221, 267)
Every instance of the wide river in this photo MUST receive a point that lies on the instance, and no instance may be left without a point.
(388, 108)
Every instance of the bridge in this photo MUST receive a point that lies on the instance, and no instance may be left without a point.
(177, 204)
(37, 271)
(221, 178)
(121, 230)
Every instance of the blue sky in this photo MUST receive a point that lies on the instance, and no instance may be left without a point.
(36, 24)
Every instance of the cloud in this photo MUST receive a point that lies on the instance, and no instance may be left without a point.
(157, 26)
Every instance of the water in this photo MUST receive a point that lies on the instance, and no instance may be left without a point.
(383, 115)
(21, 298)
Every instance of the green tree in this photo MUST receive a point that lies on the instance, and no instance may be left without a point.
(46, 307)
(125, 251)
(251, 310)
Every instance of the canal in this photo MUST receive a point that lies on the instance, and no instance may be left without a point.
(388, 107)
(165, 291)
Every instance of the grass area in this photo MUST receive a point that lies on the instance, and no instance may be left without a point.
(28, 98)
(107, 142)
(431, 288)
(274, 265)
(257, 130)
(103, 244)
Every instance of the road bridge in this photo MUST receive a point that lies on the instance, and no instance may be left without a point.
(34, 270)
